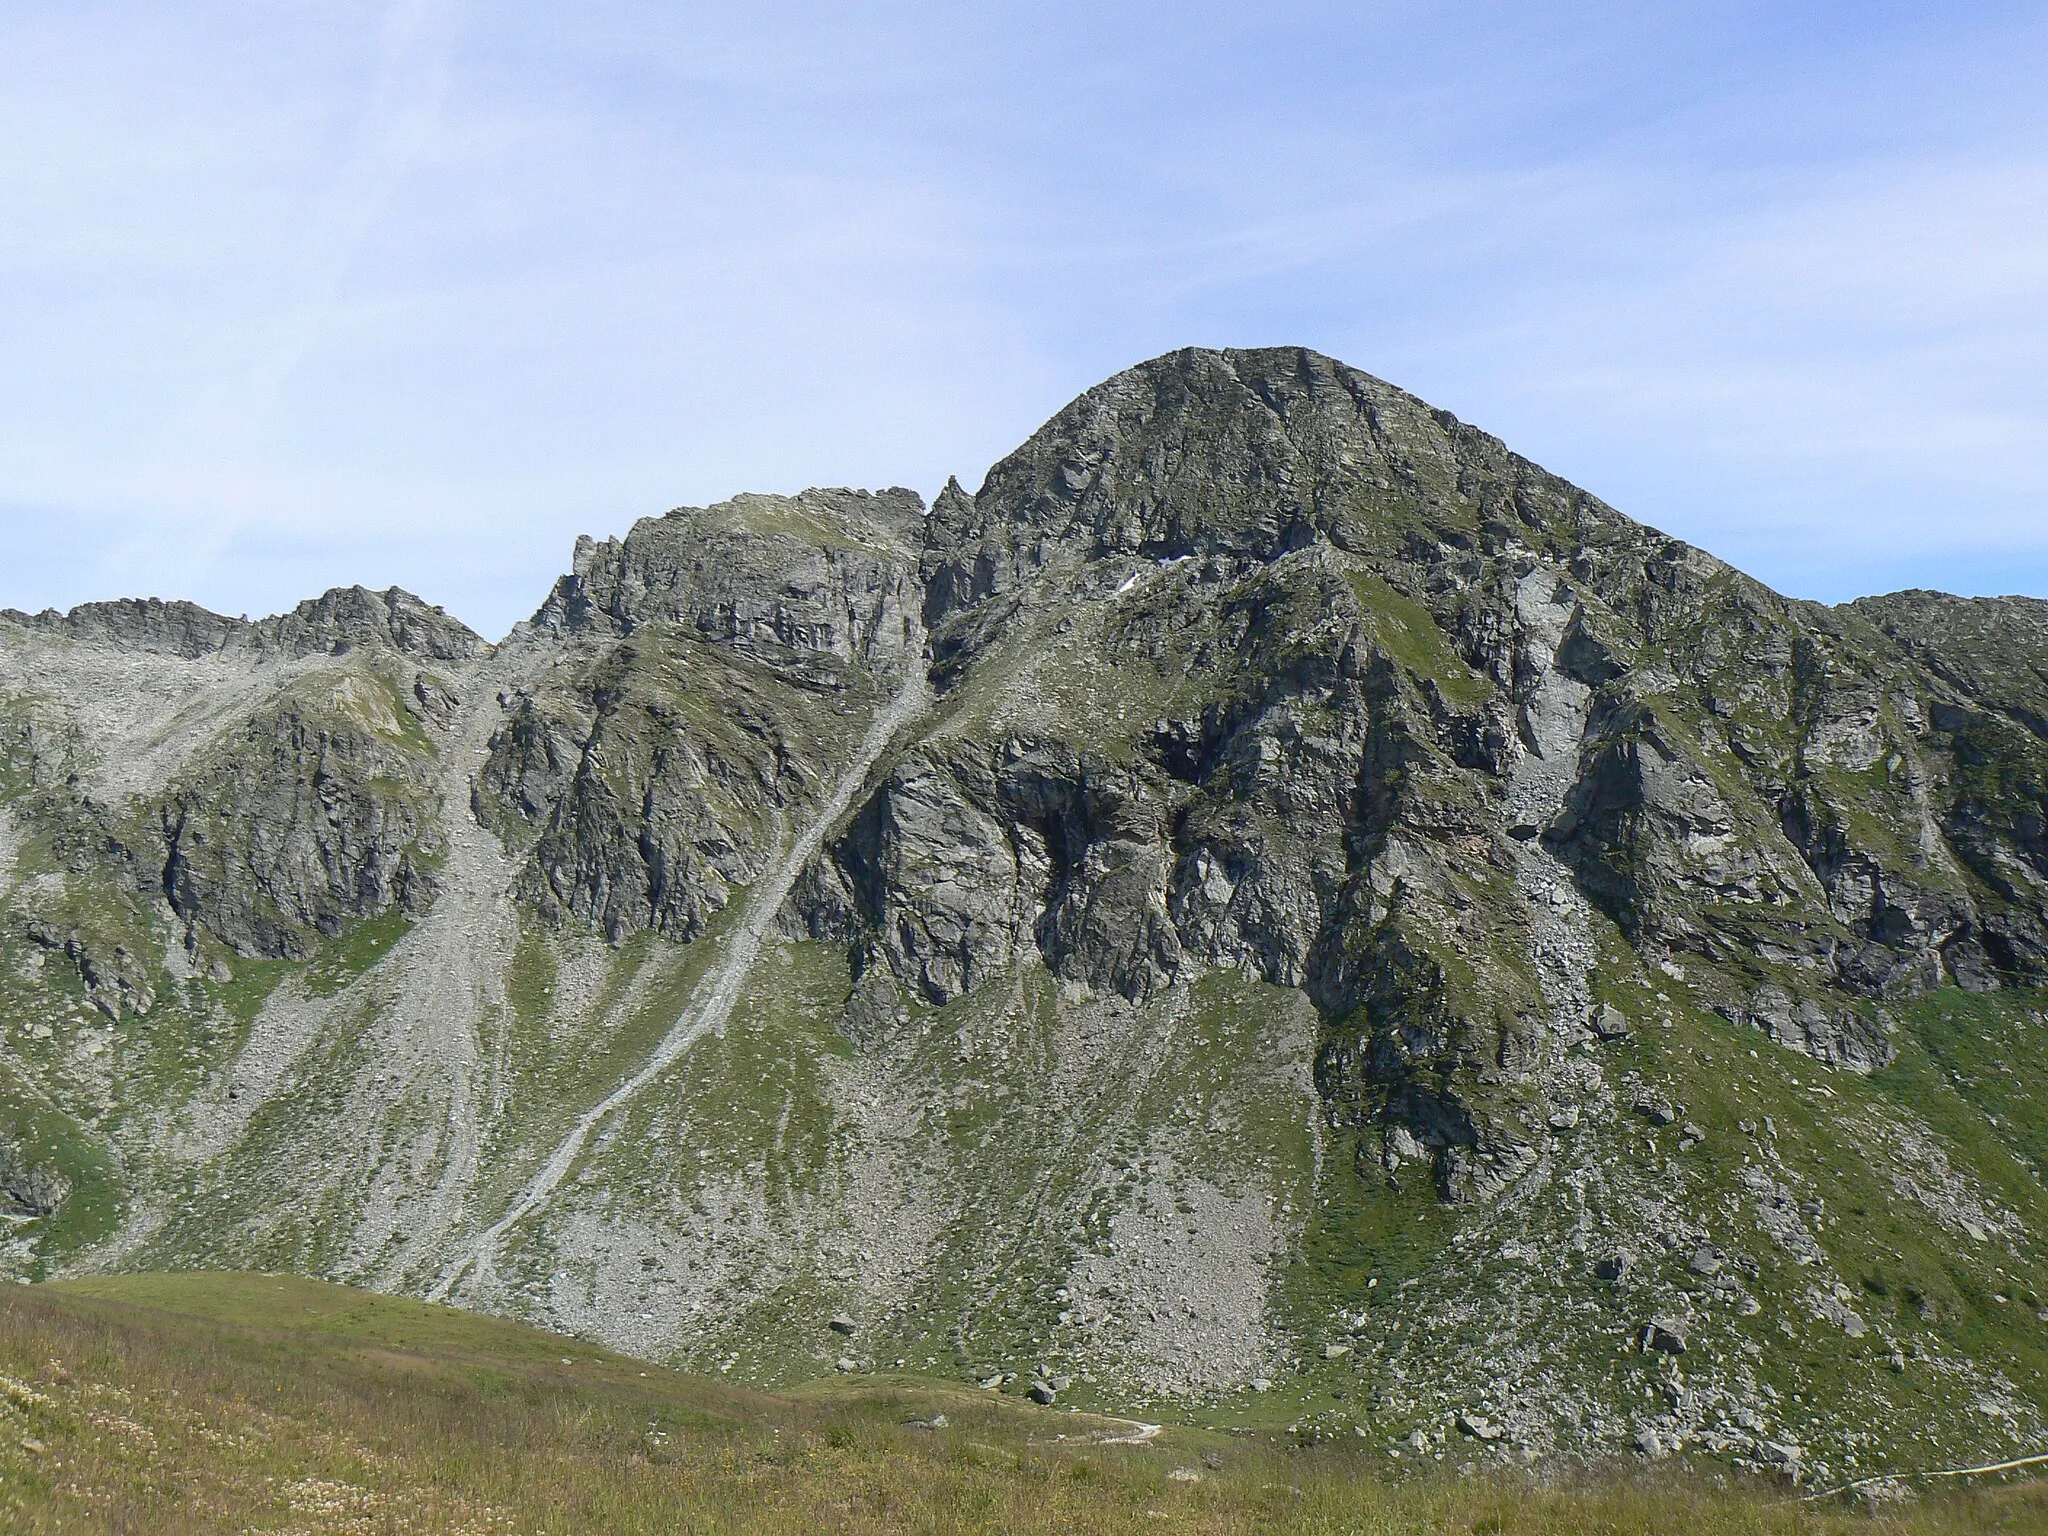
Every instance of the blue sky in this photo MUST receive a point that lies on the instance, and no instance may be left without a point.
(307, 292)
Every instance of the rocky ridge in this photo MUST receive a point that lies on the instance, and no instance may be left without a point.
(1361, 937)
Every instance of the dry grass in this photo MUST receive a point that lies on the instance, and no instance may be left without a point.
(174, 1404)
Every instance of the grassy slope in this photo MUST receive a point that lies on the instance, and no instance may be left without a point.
(188, 1403)
(1938, 1298)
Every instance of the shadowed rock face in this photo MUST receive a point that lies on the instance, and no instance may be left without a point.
(261, 784)
(1317, 804)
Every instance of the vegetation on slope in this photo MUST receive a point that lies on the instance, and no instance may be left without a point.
(202, 1403)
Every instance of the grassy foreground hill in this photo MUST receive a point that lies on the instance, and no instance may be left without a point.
(265, 1403)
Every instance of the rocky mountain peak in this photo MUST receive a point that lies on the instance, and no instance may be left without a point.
(830, 571)
(338, 621)
(349, 618)
(177, 628)
(1274, 893)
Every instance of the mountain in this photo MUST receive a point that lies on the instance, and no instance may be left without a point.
(1275, 909)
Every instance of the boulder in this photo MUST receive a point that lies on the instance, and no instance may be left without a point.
(1664, 1336)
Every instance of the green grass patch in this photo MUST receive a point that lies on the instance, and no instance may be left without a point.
(1406, 631)
(231, 1403)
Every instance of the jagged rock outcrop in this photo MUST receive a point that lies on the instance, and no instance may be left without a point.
(963, 859)
(29, 1186)
(715, 651)
(307, 819)
(342, 620)
(787, 578)
(353, 618)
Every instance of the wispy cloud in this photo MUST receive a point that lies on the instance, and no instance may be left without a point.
(414, 291)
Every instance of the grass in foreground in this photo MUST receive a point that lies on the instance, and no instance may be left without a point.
(253, 1403)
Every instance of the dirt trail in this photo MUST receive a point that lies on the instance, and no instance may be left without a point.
(716, 993)
(1139, 1434)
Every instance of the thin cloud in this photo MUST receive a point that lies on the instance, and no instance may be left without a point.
(411, 292)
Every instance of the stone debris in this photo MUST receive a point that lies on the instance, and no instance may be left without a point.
(1783, 1455)
(1614, 1268)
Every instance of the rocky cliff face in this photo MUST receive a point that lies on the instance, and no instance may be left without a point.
(249, 786)
(1359, 934)
(710, 659)
(1386, 703)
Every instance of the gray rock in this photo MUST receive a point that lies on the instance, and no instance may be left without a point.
(1783, 1455)
(827, 573)
(1664, 1336)
(638, 806)
(343, 620)
(30, 1186)
(1835, 1035)
(1610, 1023)
(310, 819)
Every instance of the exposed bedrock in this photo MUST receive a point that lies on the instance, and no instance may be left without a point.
(1410, 705)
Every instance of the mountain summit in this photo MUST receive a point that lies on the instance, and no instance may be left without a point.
(1274, 905)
